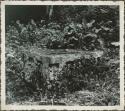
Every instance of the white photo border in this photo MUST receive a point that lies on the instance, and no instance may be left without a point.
(38, 107)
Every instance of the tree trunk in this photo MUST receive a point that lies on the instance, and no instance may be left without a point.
(50, 12)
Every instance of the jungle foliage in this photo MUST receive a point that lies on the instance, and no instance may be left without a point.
(88, 28)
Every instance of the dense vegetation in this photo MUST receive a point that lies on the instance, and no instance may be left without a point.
(88, 28)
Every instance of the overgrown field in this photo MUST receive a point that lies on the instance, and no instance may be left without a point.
(86, 81)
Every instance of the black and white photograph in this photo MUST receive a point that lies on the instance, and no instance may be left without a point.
(62, 55)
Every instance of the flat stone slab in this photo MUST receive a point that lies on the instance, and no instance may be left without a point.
(53, 60)
(61, 56)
